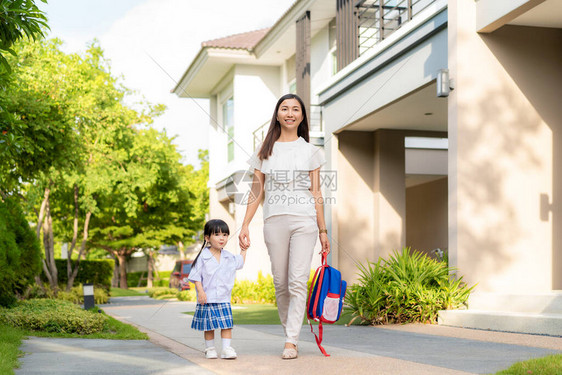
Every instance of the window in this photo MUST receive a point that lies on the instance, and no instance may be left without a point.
(228, 123)
(333, 45)
(186, 268)
(293, 87)
(334, 56)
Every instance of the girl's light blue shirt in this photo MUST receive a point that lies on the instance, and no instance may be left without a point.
(217, 278)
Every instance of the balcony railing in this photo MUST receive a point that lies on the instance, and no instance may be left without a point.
(314, 123)
(377, 19)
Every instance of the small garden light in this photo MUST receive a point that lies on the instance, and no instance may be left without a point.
(88, 290)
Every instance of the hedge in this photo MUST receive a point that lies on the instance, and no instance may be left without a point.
(95, 271)
(52, 316)
(134, 277)
(20, 253)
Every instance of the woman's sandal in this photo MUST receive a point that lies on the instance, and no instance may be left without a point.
(290, 353)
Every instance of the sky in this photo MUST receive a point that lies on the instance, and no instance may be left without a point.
(150, 43)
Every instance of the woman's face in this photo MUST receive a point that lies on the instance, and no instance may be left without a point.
(289, 114)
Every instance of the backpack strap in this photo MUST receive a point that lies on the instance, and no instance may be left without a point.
(320, 328)
(319, 283)
(317, 274)
(311, 289)
(318, 340)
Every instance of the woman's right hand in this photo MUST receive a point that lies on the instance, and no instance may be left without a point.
(244, 238)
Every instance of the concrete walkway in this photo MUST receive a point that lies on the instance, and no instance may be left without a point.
(175, 348)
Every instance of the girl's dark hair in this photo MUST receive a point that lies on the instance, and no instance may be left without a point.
(274, 130)
(213, 226)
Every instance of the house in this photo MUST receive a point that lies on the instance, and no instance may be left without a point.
(441, 124)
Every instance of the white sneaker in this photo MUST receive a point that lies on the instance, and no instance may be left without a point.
(211, 353)
(228, 353)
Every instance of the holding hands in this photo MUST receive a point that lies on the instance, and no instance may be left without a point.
(244, 238)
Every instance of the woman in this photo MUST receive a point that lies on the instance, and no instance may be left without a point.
(287, 170)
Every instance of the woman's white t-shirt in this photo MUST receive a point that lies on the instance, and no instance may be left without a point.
(287, 180)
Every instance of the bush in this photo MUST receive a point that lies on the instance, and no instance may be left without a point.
(76, 295)
(260, 291)
(36, 291)
(20, 255)
(408, 287)
(162, 292)
(134, 277)
(96, 271)
(52, 316)
(188, 295)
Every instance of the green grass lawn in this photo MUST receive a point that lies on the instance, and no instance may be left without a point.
(131, 292)
(549, 365)
(10, 340)
(263, 314)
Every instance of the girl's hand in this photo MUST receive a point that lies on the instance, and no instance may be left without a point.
(325, 243)
(244, 238)
(201, 298)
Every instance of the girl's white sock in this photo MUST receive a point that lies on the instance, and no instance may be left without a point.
(209, 343)
(225, 343)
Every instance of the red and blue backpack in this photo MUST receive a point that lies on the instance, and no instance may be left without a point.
(325, 298)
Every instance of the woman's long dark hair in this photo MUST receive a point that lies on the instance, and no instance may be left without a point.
(213, 226)
(274, 131)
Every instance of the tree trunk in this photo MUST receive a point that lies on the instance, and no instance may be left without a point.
(122, 256)
(54, 271)
(150, 277)
(115, 278)
(42, 211)
(181, 249)
(73, 242)
(72, 275)
(49, 265)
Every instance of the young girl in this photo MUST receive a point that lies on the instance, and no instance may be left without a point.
(213, 272)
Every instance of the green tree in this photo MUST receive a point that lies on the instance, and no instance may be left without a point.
(39, 132)
(20, 254)
(93, 173)
(149, 203)
(197, 184)
(18, 19)
(65, 111)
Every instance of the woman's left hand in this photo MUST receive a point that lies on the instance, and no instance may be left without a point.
(325, 243)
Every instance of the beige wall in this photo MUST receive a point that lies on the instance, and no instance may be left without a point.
(219, 210)
(355, 198)
(371, 197)
(390, 191)
(504, 155)
(426, 216)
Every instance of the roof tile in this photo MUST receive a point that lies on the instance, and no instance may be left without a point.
(245, 41)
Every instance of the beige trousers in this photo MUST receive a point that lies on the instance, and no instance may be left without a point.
(290, 241)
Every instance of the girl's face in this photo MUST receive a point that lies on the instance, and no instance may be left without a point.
(289, 114)
(217, 240)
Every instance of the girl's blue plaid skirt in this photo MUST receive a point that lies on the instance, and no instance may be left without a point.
(211, 316)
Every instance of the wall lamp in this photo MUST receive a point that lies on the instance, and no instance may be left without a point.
(444, 84)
